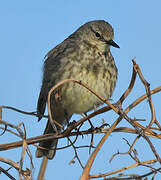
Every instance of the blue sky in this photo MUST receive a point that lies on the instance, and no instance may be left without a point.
(29, 29)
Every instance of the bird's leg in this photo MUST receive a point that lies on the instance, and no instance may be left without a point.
(92, 127)
(66, 117)
(92, 135)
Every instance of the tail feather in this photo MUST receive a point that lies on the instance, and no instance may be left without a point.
(48, 152)
(50, 145)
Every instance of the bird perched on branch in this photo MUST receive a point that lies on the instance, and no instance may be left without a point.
(85, 55)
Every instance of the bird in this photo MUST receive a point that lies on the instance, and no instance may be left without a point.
(85, 55)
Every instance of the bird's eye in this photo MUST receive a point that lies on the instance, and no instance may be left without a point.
(98, 34)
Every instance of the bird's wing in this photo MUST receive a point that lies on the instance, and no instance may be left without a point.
(41, 104)
(50, 71)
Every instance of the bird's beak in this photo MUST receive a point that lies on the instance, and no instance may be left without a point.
(112, 43)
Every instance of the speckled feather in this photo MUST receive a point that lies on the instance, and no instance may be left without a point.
(82, 56)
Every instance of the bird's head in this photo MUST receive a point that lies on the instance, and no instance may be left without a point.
(98, 33)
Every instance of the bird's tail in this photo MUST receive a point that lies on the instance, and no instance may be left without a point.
(49, 146)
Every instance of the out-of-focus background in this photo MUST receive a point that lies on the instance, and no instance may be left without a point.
(29, 29)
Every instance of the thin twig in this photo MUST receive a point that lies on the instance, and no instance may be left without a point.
(123, 169)
(128, 152)
(7, 174)
(20, 111)
(147, 87)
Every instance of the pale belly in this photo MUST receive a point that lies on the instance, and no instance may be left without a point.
(77, 99)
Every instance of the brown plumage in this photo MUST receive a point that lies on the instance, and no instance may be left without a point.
(85, 55)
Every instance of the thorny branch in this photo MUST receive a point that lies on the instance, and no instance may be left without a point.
(141, 131)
